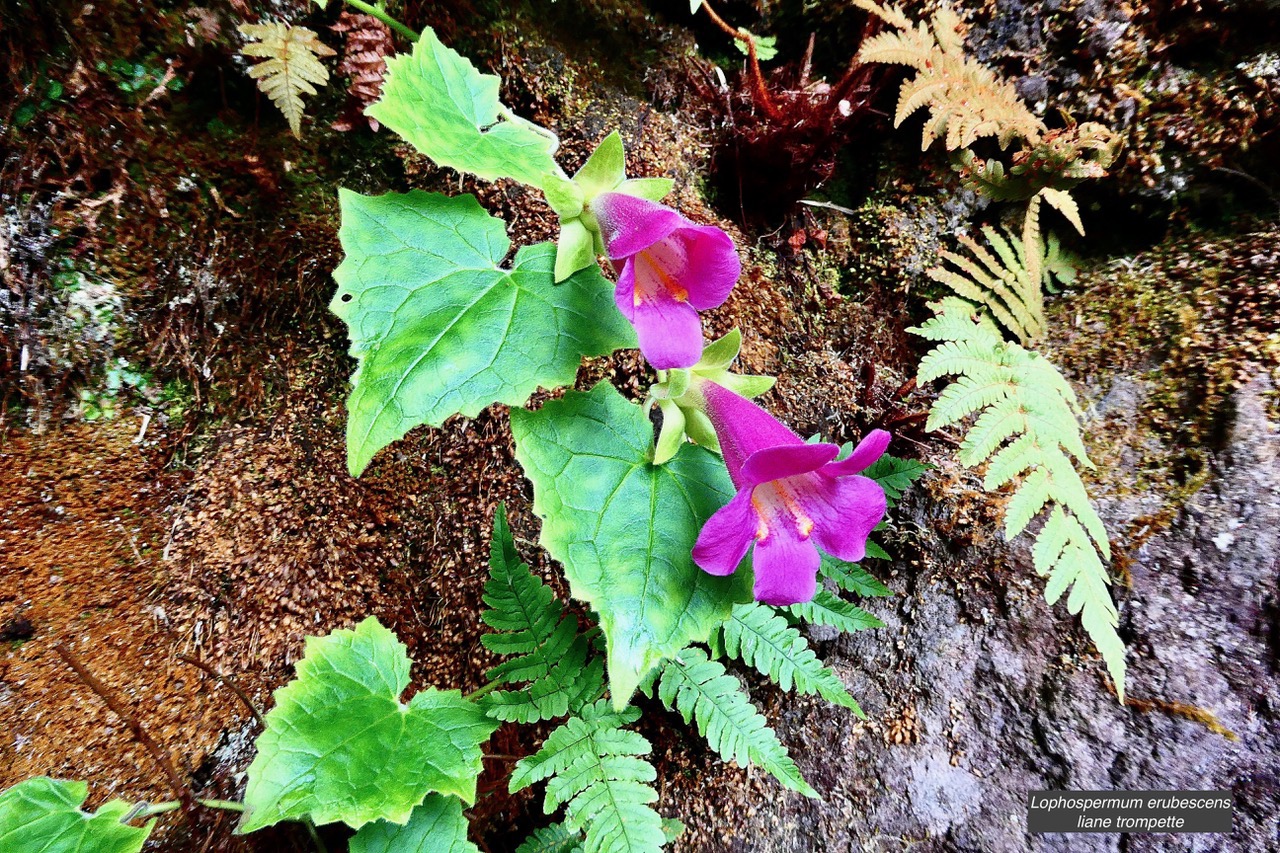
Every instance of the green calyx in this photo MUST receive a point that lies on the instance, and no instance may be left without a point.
(679, 396)
(604, 172)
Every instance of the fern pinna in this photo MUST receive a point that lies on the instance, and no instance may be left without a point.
(1002, 283)
(595, 769)
(549, 656)
(1027, 428)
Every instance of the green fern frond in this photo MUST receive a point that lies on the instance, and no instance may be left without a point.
(1002, 282)
(593, 767)
(759, 637)
(833, 611)
(547, 651)
(552, 839)
(851, 577)
(1027, 429)
(895, 475)
(701, 690)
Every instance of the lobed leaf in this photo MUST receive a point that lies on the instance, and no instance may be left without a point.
(439, 328)
(444, 107)
(436, 826)
(43, 815)
(340, 746)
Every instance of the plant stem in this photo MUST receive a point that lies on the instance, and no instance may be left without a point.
(166, 764)
(226, 679)
(759, 91)
(381, 14)
(315, 836)
(146, 810)
(483, 691)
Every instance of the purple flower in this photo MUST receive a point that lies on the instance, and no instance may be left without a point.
(671, 270)
(791, 497)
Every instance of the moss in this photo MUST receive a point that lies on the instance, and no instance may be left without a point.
(1191, 320)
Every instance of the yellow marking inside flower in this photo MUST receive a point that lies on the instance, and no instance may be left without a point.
(776, 498)
(678, 293)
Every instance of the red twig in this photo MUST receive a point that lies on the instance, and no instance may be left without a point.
(759, 91)
(226, 680)
(180, 788)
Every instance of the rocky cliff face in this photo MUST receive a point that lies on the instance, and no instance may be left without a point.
(978, 696)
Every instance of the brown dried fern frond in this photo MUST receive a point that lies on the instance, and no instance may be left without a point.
(364, 64)
(966, 99)
(290, 65)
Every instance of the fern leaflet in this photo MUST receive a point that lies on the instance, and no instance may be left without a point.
(1002, 281)
(552, 839)
(851, 577)
(895, 475)
(832, 610)
(761, 638)
(290, 65)
(1027, 428)
(594, 769)
(702, 691)
(548, 652)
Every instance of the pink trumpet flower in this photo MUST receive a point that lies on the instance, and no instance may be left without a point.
(671, 270)
(792, 499)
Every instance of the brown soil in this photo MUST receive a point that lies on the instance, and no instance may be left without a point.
(85, 529)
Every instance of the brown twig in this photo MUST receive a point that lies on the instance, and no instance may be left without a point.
(180, 788)
(759, 91)
(228, 682)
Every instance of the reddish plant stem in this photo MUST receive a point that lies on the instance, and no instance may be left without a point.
(180, 788)
(229, 682)
(759, 91)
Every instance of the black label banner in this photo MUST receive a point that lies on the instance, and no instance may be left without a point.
(1129, 811)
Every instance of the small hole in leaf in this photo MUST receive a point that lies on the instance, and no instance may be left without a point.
(346, 297)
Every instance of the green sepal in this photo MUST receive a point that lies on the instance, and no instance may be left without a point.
(700, 429)
(671, 436)
(604, 170)
(746, 385)
(720, 353)
(565, 197)
(680, 388)
(576, 249)
(653, 189)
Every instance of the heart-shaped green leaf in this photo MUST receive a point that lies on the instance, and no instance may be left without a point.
(436, 826)
(624, 528)
(43, 815)
(340, 746)
(440, 329)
